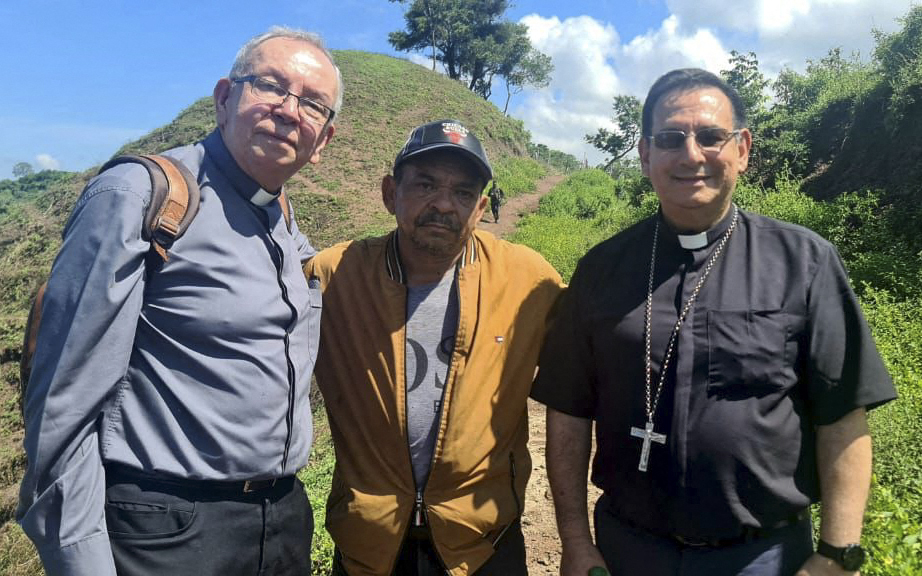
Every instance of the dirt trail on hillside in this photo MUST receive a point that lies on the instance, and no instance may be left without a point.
(538, 523)
(515, 208)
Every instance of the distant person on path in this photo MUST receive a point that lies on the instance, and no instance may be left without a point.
(728, 368)
(168, 412)
(497, 197)
(429, 344)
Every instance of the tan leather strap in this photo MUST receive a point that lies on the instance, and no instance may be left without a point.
(174, 207)
(286, 208)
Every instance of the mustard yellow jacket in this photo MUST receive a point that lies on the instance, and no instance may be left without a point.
(481, 463)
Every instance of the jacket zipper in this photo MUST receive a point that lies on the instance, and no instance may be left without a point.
(515, 496)
(420, 516)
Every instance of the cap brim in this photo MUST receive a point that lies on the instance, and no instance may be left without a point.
(485, 170)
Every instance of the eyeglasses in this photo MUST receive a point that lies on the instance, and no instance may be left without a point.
(271, 93)
(710, 139)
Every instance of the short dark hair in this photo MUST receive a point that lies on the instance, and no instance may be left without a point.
(685, 79)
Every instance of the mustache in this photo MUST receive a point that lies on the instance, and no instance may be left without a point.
(441, 219)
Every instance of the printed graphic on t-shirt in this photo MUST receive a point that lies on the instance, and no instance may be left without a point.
(432, 319)
(421, 373)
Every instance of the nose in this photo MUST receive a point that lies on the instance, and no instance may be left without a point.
(691, 150)
(443, 199)
(288, 109)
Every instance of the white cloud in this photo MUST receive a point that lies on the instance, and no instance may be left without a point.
(591, 66)
(424, 61)
(789, 32)
(578, 100)
(46, 162)
(648, 57)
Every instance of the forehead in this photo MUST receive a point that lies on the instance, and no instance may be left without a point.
(443, 163)
(704, 105)
(289, 56)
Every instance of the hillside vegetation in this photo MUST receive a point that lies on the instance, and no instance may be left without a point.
(336, 200)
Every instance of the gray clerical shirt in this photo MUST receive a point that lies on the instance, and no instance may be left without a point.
(200, 369)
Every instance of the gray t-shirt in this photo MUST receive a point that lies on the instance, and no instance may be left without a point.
(432, 320)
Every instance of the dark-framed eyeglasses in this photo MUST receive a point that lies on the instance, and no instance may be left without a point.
(271, 93)
(711, 139)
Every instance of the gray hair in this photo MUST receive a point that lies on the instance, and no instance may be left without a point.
(244, 61)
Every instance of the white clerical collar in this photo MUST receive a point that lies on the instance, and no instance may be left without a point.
(262, 198)
(693, 241)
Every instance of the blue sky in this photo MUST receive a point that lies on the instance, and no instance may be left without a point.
(82, 77)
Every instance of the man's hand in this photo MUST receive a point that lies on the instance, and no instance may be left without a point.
(817, 565)
(578, 558)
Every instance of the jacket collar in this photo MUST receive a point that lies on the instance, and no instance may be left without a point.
(395, 267)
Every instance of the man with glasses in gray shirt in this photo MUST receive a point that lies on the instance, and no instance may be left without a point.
(167, 410)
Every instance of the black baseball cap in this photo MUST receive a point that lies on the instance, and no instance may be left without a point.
(445, 135)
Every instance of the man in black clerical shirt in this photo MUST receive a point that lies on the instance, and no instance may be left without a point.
(726, 363)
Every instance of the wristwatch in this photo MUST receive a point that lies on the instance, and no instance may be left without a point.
(849, 557)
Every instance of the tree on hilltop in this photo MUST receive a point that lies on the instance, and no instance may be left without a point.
(474, 43)
(21, 169)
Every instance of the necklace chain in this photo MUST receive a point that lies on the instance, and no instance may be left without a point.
(653, 399)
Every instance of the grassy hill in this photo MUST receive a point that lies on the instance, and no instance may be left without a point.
(338, 199)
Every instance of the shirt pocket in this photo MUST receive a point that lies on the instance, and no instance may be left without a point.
(747, 352)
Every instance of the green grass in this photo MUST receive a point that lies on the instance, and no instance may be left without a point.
(316, 478)
(516, 175)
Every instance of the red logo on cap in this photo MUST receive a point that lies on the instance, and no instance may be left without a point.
(454, 131)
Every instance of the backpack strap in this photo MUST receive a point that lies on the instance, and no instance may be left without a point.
(29, 338)
(286, 208)
(174, 199)
(174, 203)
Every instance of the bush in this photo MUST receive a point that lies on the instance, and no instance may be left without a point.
(578, 214)
(517, 175)
(562, 240)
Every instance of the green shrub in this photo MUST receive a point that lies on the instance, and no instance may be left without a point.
(580, 212)
(892, 531)
(517, 175)
(584, 195)
(562, 240)
(317, 477)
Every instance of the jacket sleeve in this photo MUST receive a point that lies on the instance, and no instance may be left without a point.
(85, 338)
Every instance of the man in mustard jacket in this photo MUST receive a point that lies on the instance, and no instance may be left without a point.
(429, 343)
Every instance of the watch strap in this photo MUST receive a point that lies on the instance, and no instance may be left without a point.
(850, 557)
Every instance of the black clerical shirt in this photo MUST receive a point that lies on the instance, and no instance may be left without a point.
(775, 344)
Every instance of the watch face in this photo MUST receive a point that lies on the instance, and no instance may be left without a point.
(852, 557)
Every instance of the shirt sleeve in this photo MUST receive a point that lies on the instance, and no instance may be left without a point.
(89, 316)
(846, 370)
(566, 377)
(305, 249)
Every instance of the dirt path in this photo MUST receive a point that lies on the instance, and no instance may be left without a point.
(515, 208)
(538, 523)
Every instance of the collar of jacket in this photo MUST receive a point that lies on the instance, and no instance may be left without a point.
(395, 266)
